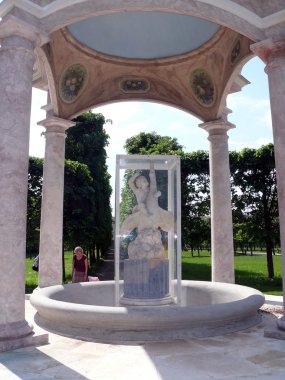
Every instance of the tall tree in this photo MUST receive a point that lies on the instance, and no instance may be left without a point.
(78, 195)
(86, 143)
(78, 201)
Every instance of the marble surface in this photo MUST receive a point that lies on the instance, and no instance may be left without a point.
(243, 355)
(50, 271)
(17, 58)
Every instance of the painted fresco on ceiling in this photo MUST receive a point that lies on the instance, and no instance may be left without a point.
(202, 86)
(134, 85)
(72, 82)
(235, 52)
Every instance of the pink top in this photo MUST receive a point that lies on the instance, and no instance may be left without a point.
(79, 265)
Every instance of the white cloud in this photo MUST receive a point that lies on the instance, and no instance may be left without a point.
(239, 144)
(37, 142)
(119, 112)
(262, 141)
(236, 101)
(248, 107)
(184, 124)
(266, 119)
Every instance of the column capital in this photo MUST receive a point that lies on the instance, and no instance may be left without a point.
(217, 127)
(56, 124)
(11, 26)
(270, 49)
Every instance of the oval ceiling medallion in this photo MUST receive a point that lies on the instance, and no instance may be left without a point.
(72, 82)
(134, 85)
(202, 86)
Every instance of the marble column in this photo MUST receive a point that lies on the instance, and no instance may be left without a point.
(50, 264)
(16, 70)
(221, 208)
(272, 52)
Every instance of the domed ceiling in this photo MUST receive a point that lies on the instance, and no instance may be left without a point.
(143, 35)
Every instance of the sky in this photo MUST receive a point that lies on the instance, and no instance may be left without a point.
(250, 114)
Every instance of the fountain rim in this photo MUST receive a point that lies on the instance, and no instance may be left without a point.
(251, 299)
(146, 323)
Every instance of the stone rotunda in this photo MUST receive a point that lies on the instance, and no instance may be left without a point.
(86, 53)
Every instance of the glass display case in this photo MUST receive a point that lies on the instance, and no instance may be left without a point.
(147, 230)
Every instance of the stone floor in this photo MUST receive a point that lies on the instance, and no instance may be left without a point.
(243, 355)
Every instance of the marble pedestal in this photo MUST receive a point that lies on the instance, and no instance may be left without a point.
(278, 331)
(146, 282)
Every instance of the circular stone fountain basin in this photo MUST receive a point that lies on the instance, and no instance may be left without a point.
(87, 311)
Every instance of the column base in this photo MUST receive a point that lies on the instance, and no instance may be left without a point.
(15, 330)
(20, 334)
(281, 323)
(146, 302)
(277, 332)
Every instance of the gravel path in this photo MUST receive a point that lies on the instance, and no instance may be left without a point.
(106, 269)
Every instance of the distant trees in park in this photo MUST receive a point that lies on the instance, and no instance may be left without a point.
(87, 217)
(195, 200)
(254, 198)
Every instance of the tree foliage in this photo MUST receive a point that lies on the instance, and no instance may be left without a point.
(86, 143)
(77, 197)
(255, 197)
(35, 178)
(195, 200)
(152, 143)
(78, 201)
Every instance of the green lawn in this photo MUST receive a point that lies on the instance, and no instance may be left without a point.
(249, 271)
(32, 276)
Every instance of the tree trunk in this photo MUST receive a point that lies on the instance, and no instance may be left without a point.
(92, 255)
(269, 257)
(268, 239)
(97, 253)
